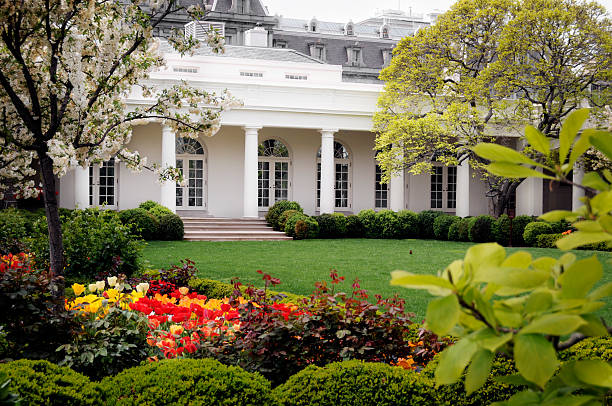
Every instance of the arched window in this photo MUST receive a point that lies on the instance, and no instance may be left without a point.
(273, 173)
(188, 146)
(313, 25)
(349, 28)
(191, 162)
(342, 164)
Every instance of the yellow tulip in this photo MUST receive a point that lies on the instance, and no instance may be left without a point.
(78, 288)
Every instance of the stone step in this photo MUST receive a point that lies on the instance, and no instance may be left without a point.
(228, 238)
(221, 226)
(223, 219)
(230, 229)
(223, 223)
(247, 233)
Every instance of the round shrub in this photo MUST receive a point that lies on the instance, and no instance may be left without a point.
(340, 220)
(160, 211)
(561, 226)
(500, 229)
(368, 221)
(355, 383)
(171, 228)
(292, 221)
(518, 228)
(590, 348)
(143, 223)
(13, 228)
(408, 224)
(186, 382)
(480, 229)
(148, 205)
(548, 240)
(327, 225)
(426, 223)
(282, 220)
(46, 384)
(211, 288)
(458, 231)
(533, 229)
(306, 228)
(441, 226)
(354, 228)
(388, 224)
(277, 209)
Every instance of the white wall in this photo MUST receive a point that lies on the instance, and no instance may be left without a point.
(66, 195)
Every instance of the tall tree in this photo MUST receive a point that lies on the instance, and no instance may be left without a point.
(484, 70)
(67, 68)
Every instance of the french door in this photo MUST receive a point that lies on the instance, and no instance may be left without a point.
(104, 185)
(443, 193)
(273, 182)
(192, 194)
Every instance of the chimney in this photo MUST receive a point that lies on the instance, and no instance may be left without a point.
(256, 37)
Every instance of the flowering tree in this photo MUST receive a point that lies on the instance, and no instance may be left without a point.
(67, 67)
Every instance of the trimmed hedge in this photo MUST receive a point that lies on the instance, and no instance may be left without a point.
(148, 205)
(186, 382)
(426, 223)
(331, 225)
(518, 228)
(13, 228)
(171, 228)
(368, 220)
(354, 228)
(272, 217)
(46, 384)
(458, 231)
(292, 221)
(480, 229)
(387, 224)
(533, 230)
(590, 348)
(211, 288)
(547, 240)
(160, 211)
(408, 224)
(143, 223)
(306, 228)
(282, 219)
(356, 383)
(441, 226)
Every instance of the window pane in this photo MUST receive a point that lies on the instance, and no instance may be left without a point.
(436, 188)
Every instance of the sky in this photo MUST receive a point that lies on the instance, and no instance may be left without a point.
(357, 10)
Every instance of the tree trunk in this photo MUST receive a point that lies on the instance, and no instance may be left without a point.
(502, 198)
(56, 246)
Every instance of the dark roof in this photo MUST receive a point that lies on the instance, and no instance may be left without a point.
(224, 6)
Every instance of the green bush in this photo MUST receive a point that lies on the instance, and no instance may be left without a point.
(441, 226)
(292, 221)
(426, 223)
(306, 228)
(171, 228)
(458, 231)
(277, 209)
(561, 226)
(408, 224)
(500, 229)
(211, 288)
(148, 205)
(547, 240)
(340, 220)
(95, 242)
(355, 383)
(282, 220)
(143, 223)
(160, 211)
(480, 229)
(388, 224)
(186, 382)
(533, 229)
(590, 348)
(368, 221)
(327, 226)
(518, 228)
(354, 228)
(13, 229)
(46, 384)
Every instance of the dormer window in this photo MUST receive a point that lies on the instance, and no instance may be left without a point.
(384, 31)
(354, 56)
(241, 6)
(349, 29)
(312, 27)
(317, 51)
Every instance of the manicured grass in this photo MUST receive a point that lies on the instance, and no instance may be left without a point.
(299, 264)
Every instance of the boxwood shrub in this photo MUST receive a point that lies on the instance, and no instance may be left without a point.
(340, 220)
(186, 382)
(518, 228)
(356, 383)
(292, 221)
(590, 348)
(277, 209)
(171, 227)
(211, 288)
(328, 226)
(480, 228)
(13, 229)
(547, 240)
(441, 226)
(533, 230)
(387, 224)
(143, 223)
(458, 231)
(306, 228)
(46, 384)
(354, 228)
(408, 224)
(426, 223)
(282, 220)
(368, 220)
(148, 205)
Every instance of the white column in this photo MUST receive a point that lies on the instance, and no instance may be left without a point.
(328, 172)
(530, 197)
(81, 187)
(463, 189)
(168, 188)
(397, 186)
(250, 172)
(577, 193)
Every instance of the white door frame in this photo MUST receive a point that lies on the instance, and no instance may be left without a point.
(99, 187)
(185, 160)
(272, 180)
(445, 171)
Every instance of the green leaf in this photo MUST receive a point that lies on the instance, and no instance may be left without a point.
(538, 302)
(520, 259)
(557, 215)
(508, 170)
(453, 361)
(601, 292)
(569, 131)
(554, 324)
(603, 142)
(488, 339)
(490, 254)
(580, 238)
(518, 278)
(594, 372)
(593, 180)
(537, 140)
(443, 314)
(478, 371)
(594, 326)
(580, 278)
(499, 153)
(581, 146)
(535, 358)
(516, 380)
(589, 226)
(410, 280)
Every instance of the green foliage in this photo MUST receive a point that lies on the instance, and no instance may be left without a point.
(273, 215)
(171, 227)
(547, 240)
(408, 224)
(95, 242)
(7, 398)
(186, 381)
(160, 211)
(340, 220)
(368, 220)
(387, 224)
(480, 229)
(458, 230)
(143, 223)
(327, 226)
(148, 205)
(354, 228)
(533, 230)
(107, 345)
(518, 229)
(211, 288)
(442, 225)
(13, 228)
(355, 383)
(500, 230)
(306, 228)
(292, 221)
(591, 348)
(282, 220)
(426, 223)
(41, 383)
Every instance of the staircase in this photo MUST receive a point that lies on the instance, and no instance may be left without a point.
(227, 229)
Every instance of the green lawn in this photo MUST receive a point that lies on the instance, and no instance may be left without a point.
(299, 264)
